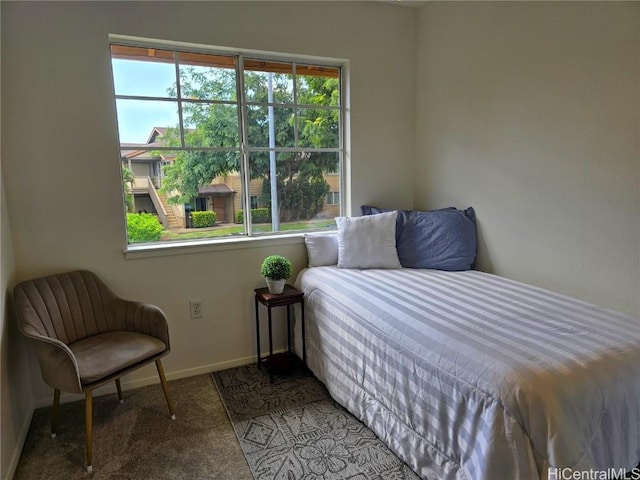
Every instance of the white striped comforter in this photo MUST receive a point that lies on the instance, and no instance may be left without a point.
(467, 375)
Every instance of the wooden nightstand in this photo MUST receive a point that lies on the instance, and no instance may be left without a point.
(288, 297)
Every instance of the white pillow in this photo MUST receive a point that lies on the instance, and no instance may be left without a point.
(368, 242)
(322, 248)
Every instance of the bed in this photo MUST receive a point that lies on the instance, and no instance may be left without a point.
(467, 375)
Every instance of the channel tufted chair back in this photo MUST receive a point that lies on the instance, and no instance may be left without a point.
(70, 307)
(85, 336)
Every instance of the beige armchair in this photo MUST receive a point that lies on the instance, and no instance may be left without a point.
(86, 336)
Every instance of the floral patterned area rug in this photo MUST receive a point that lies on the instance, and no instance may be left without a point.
(291, 429)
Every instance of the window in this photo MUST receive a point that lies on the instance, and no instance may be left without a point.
(256, 140)
(333, 198)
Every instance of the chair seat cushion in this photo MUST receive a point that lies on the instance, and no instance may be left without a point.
(101, 355)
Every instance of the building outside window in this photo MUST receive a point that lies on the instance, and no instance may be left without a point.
(255, 140)
(333, 198)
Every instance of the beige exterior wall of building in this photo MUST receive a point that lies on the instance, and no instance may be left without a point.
(234, 182)
(141, 169)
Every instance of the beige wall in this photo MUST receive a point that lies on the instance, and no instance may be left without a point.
(529, 112)
(15, 383)
(57, 82)
(16, 402)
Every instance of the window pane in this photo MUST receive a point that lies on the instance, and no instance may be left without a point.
(188, 182)
(207, 77)
(210, 125)
(333, 198)
(138, 118)
(302, 187)
(143, 71)
(330, 164)
(318, 85)
(258, 126)
(256, 83)
(318, 128)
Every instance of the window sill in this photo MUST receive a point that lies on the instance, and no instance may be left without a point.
(210, 245)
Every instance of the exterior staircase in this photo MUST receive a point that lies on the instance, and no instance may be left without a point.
(173, 221)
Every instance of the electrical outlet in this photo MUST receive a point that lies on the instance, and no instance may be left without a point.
(195, 308)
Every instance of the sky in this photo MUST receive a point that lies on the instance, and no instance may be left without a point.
(136, 118)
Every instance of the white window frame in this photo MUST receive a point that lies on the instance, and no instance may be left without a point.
(249, 239)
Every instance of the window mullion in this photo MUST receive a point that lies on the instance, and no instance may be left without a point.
(179, 95)
(295, 103)
(292, 105)
(341, 138)
(245, 170)
(153, 148)
(145, 98)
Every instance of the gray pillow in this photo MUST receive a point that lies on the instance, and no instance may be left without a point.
(439, 239)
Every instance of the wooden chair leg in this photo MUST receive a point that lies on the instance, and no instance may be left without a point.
(88, 425)
(119, 387)
(55, 413)
(165, 389)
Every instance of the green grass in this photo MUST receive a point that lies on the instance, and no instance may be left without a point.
(239, 230)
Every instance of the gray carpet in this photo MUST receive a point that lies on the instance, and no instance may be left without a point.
(137, 439)
(291, 429)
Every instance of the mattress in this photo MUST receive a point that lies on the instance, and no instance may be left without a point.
(466, 375)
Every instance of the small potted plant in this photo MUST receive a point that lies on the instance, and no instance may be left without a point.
(276, 269)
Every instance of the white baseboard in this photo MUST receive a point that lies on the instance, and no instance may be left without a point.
(143, 382)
